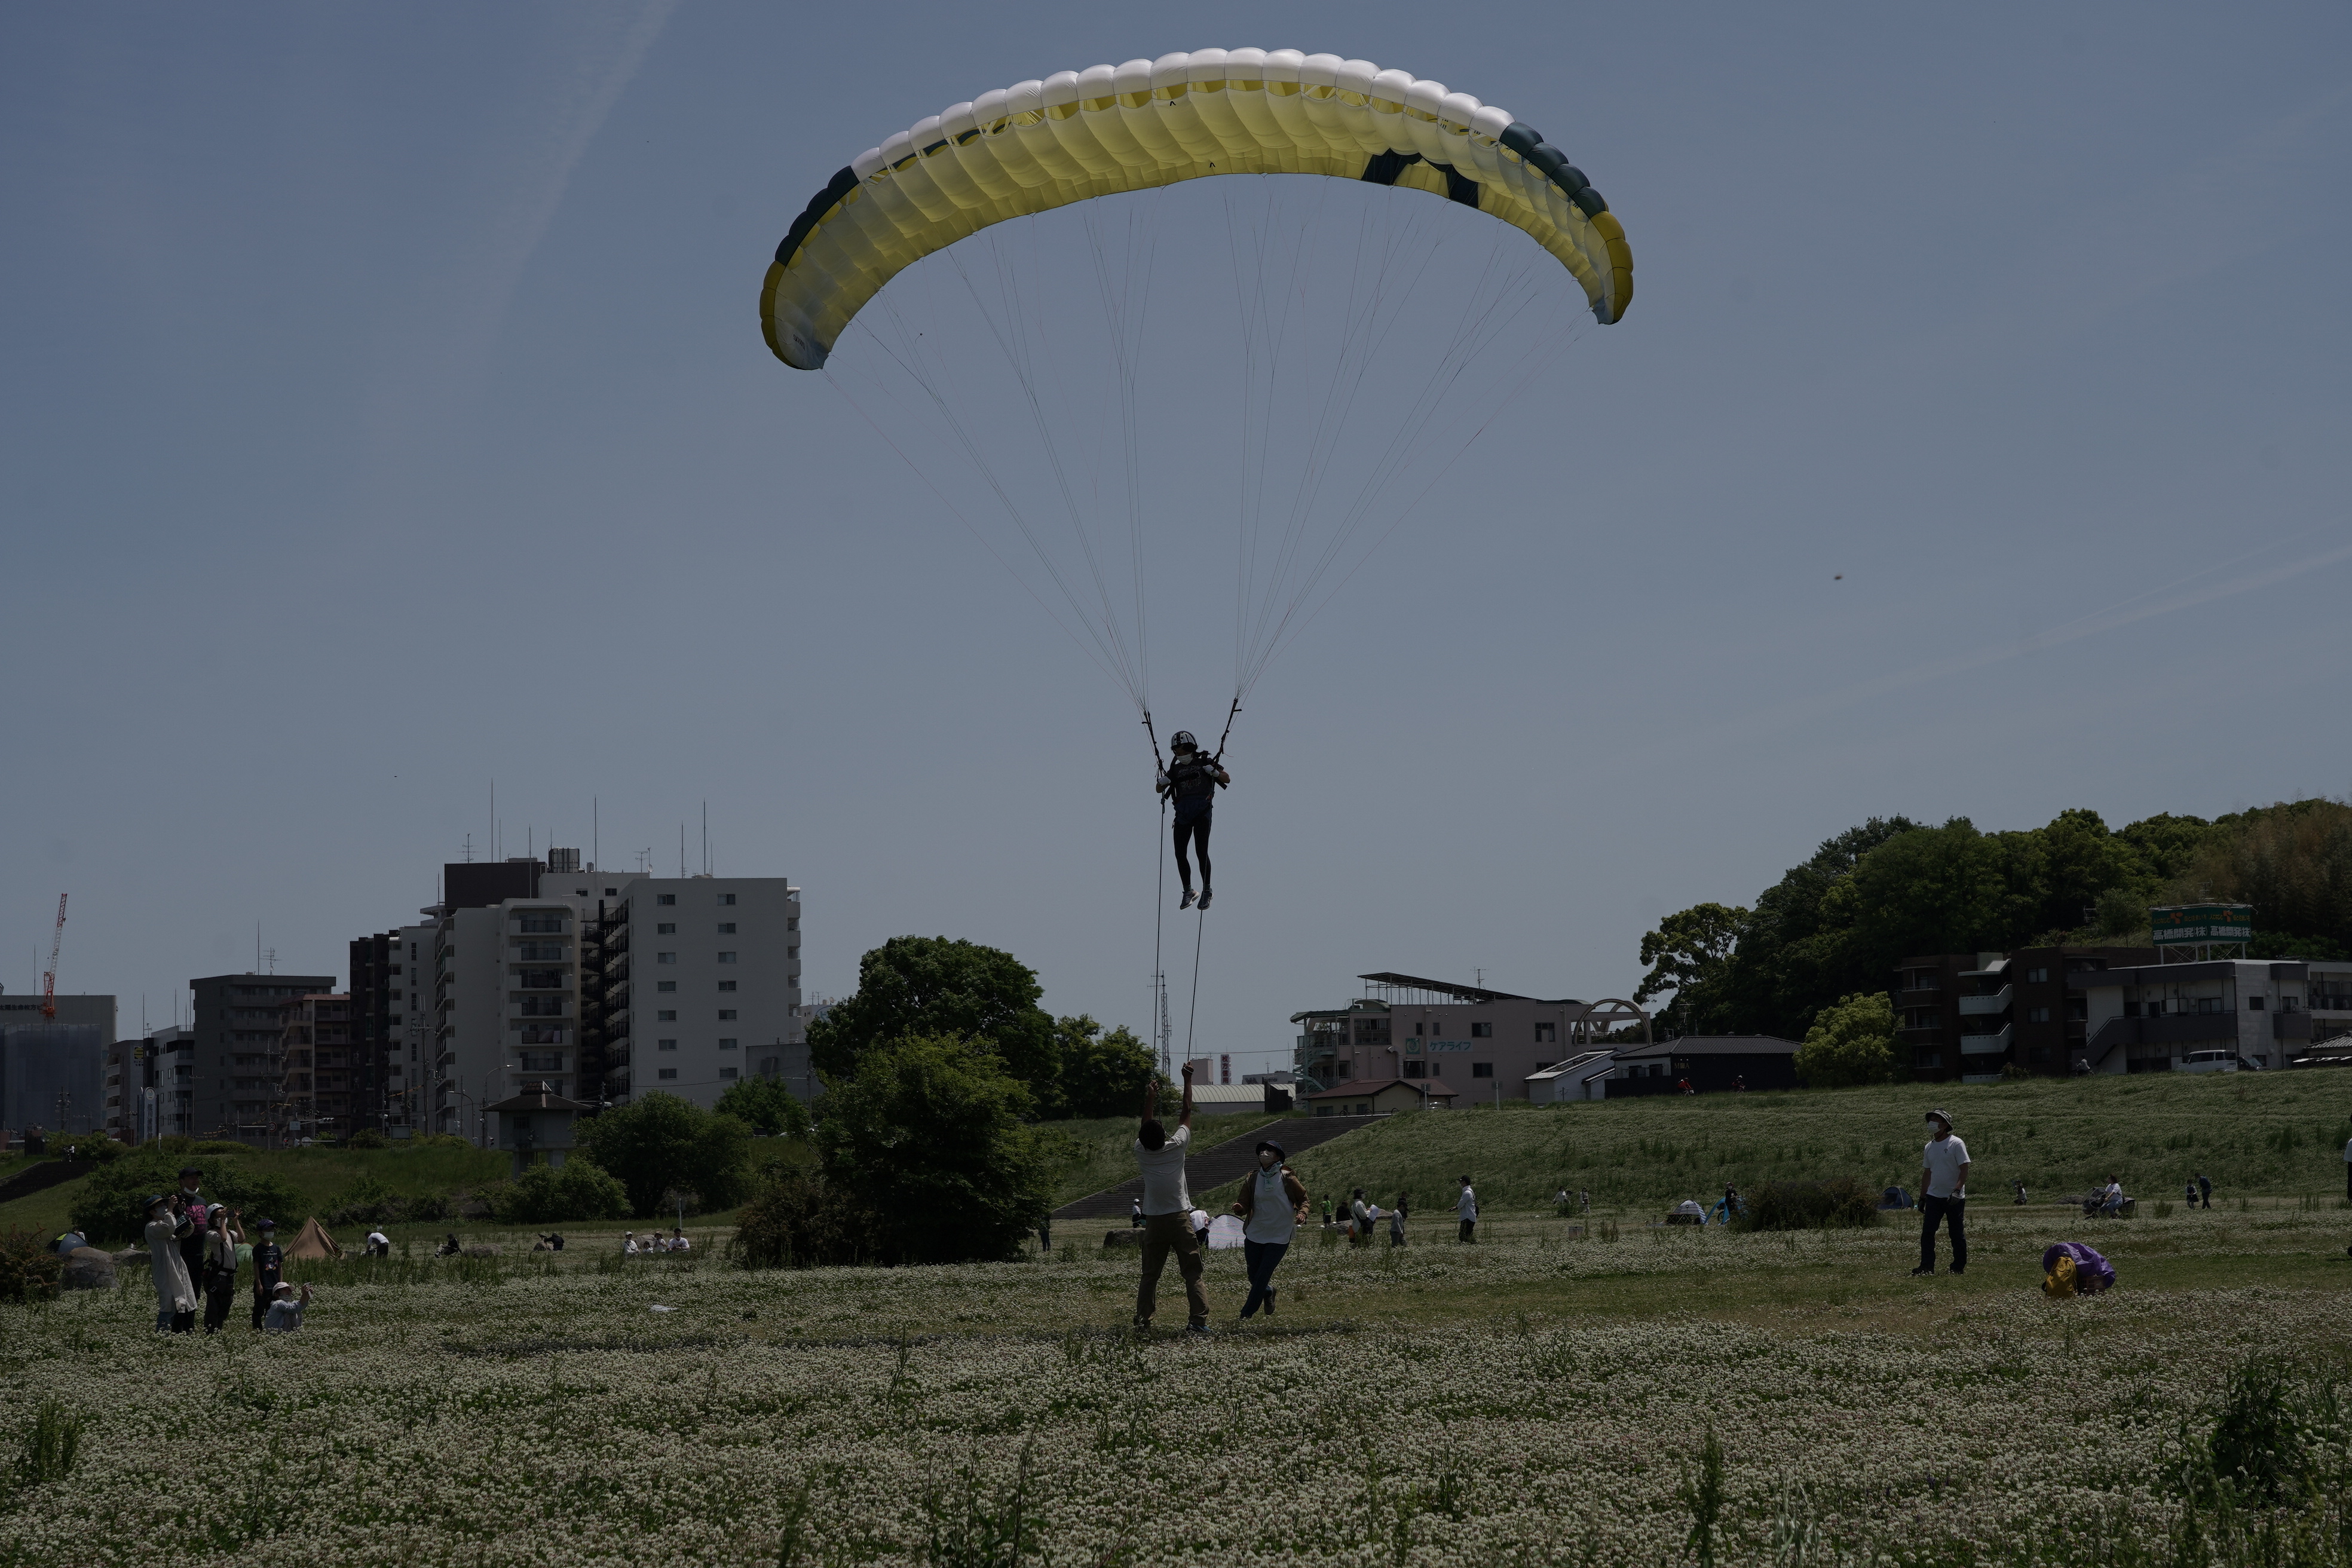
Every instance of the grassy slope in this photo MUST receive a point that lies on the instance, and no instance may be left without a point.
(2278, 1134)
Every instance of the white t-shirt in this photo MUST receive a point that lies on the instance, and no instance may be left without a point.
(1163, 1175)
(1943, 1160)
(1271, 1216)
(1466, 1206)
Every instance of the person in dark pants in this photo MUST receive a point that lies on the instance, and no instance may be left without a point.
(2205, 1188)
(1943, 1194)
(269, 1268)
(1190, 785)
(220, 1267)
(199, 1213)
(1168, 1210)
(1465, 1210)
(1272, 1205)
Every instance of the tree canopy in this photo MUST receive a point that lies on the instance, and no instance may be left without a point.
(914, 987)
(766, 1107)
(1837, 925)
(1102, 1074)
(1850, 1042)
(659, 1143)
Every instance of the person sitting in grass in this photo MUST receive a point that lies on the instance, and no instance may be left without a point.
(2112, 1205)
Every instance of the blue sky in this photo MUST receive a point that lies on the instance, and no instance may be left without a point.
(386, 414)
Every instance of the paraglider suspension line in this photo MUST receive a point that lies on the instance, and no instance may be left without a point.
(1193, 1013)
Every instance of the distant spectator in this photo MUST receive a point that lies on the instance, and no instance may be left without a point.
(1465, 1210)
(199, 1212)
(1584, 1201)
(555, 1241)
(1046, 1235)
(2347, 1168)
(2020, 1190)
(2205, 1188)
(628, 1244)
(1396, 1223)
(449, 1248)
(268, 1267)
(1359, 1218)
(1560, 1200)
(285, 1307)
(176, 1298)
(1135, 1215)
(677, 1242)
(2193, 1191)
(2112, 1203)
(1200, 1222)
(68, 1242)
(378, 1244)
(1683, 1086)
(1943, 1194)
(1738, 1083)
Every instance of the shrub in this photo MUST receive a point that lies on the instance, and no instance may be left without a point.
(1850, 1042)
(1837, 1203)
(95, 1147)
(28, 1269)
(798, 1220)
(545, 1196)
(929, 1140)
(367, 1138)
(2260, 1443)
(659, 1142)
(108, 1207)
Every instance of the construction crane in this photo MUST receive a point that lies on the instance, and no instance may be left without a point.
(49, 980)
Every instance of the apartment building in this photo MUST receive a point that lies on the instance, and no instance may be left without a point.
(1971, 1015)
(392, 1012)
(223, 1079)
(318, 1069)
(702, 987)
(2149, 1017)
(1484, 1044)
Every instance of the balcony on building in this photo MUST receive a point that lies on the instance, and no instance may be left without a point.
(1987, 1004)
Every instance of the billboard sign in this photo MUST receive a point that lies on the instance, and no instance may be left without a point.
(2199, 925)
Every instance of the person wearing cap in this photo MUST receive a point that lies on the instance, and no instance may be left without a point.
(1943, 1194)
(221, 1240)
(176, 1298)
(1272, 1205)
(268, 1269)
(285, 1307)
(1168, 1210)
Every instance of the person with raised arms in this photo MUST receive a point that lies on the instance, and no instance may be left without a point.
(1168, 1210)
(1272, 1205)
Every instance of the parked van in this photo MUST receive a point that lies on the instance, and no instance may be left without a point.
(2210, 1061)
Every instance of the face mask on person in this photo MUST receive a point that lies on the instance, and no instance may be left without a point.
(1266, 1162)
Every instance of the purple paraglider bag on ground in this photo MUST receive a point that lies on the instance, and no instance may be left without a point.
(2092, 1272)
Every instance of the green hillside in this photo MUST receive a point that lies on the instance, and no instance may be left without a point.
(2270, 1135)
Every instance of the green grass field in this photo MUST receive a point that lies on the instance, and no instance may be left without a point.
(1543, 1397)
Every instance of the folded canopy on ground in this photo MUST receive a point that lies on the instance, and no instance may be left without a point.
(1077, 136)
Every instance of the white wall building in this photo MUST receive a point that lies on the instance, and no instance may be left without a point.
(2146, 1018)
(702, 981)
(506, 1004)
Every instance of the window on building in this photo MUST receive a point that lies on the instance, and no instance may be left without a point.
(793, 924)
(2036, 976)
(2037, 1015)
(1482, 1069)
(726, 928)
(667, 928)
(612, 892)
(726, 1072)
(770, 1067)
(726, 1042)
(666, 1015)
(1546, 1034)
(725, 958)
(664, 898)
(725, 898)
(667, 1073)
(664, 1044)
(665, 985)
(665, 958)
(2253, 1004)
(727, 985)
(1482, 1031)
(727, 1015)
(1417, 1069)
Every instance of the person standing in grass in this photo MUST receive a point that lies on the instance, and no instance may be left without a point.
(176, 1298)
(1272, 1205)
(220, 1267)
(1943, 1194)
(2205, 1188)
(268, 1267)
(1465, 1209)
(1167, 1211)
(1396, 1222)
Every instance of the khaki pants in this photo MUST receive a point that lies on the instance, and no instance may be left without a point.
(1163, 1232)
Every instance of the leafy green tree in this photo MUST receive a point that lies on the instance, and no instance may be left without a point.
(2291, 861)
(1688, 954)
(107, 1209)
(582, 1190)
(1850, 1042)
(928, 1138)
(1102, 1074)
(917, 986)
(1790, 958)
(767, 1107)
(658, 1141)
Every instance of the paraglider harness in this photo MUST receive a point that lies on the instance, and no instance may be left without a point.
(1192, 787)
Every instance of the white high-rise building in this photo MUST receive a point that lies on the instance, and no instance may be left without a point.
(702, 987)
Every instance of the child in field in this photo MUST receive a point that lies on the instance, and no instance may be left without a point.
(285, 1314)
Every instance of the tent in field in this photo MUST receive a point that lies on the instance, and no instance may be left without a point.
(314, 1242)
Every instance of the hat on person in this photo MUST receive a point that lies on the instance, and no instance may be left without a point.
(152, 1200)
(1939, 1114)
(285, 1285)
(190, 1170)
(1266, 1143)
(264, 1225)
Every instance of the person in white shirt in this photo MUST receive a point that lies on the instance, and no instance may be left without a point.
(1167, 1211)
(1943, 1194)
(2112, 1203)
(379, 1244)
(677, 1242)
(1465, 1209)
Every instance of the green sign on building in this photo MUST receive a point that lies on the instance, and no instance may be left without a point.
(2201, 925)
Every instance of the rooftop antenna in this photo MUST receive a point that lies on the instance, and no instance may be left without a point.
(273, 961)
(469, 849)
(681, 851)
(595, 828)
(706, 839)
(257, 947)
(494, 819)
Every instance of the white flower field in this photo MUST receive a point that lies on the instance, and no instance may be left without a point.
(1537, 1399)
